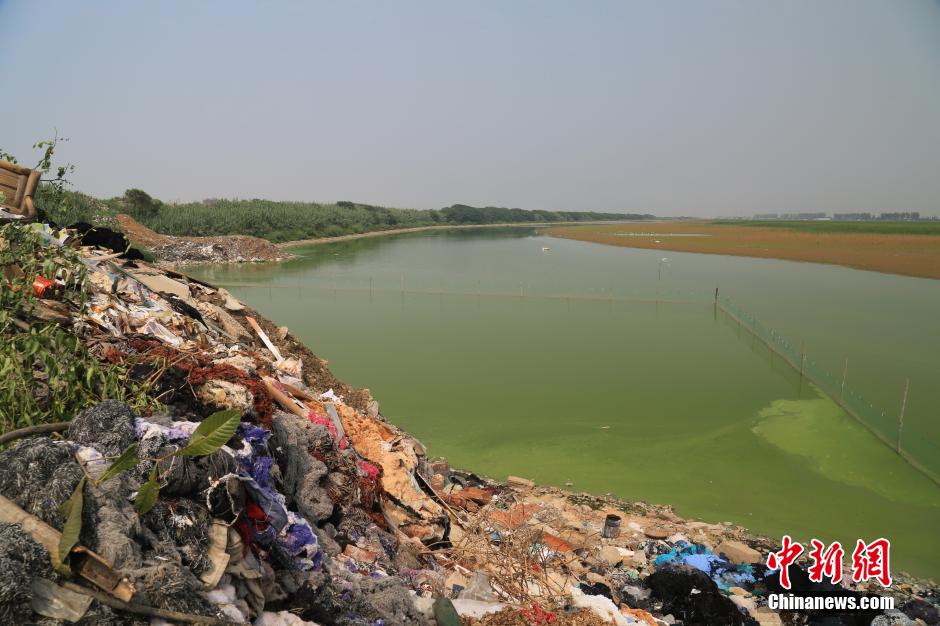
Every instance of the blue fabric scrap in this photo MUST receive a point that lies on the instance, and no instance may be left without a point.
(724, 573)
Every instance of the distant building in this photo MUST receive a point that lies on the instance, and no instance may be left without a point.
(851, 217)
(804, 216)
(899, 217)
(767, 216)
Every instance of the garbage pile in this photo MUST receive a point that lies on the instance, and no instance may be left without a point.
(632, 562)
(257, 488)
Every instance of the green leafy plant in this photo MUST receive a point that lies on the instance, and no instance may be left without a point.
(47, 371)
(211, 434)
(54, 175)
(148, 493)
(138, 203)
(72, 512)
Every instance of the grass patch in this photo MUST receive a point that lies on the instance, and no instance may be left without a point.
(65, 207)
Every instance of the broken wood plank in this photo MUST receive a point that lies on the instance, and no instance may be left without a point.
(88, 564)
(264, 338)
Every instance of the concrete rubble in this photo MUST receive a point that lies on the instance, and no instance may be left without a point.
(319, 511)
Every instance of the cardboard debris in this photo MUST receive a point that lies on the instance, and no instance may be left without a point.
(390, 448)
(51, 600)
(519, 483)
(160, 283)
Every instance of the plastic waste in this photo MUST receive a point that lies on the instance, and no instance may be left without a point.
(479, 589)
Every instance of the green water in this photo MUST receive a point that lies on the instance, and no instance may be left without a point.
(611, 369)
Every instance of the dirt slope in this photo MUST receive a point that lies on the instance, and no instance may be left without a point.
(172, 250)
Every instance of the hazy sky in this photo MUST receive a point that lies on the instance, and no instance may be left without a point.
(694, 108)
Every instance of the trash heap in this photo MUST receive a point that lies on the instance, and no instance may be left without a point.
(632, 562)
(254, 487)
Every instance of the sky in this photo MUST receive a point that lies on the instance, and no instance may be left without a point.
(727, 107)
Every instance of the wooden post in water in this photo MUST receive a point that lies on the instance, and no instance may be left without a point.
(845, 370)
(907, 386)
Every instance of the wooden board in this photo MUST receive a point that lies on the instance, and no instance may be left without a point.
(9, 179)
(15, 168)
(21, 191)
(9, 195)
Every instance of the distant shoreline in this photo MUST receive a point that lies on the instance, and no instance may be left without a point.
(416, 229)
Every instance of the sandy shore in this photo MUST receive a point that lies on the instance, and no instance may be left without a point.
(908, 255)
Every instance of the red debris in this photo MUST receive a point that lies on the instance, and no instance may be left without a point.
(42, 286)
(538, 616)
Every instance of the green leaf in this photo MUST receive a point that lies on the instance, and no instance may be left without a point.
(127, 460)
(72, 511)
(212, 433)
(148, 493)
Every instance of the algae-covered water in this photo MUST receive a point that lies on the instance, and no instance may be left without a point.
(611, 369)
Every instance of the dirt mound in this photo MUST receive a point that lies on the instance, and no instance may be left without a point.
(172, 250)
(138, 233)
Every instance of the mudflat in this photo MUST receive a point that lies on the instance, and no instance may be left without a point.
(867, 246)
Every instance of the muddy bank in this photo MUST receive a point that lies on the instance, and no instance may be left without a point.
(908, 255)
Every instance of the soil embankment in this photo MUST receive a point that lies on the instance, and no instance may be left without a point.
(905, 254)
(172, 250)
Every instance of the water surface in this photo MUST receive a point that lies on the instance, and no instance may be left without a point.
(611, 369)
